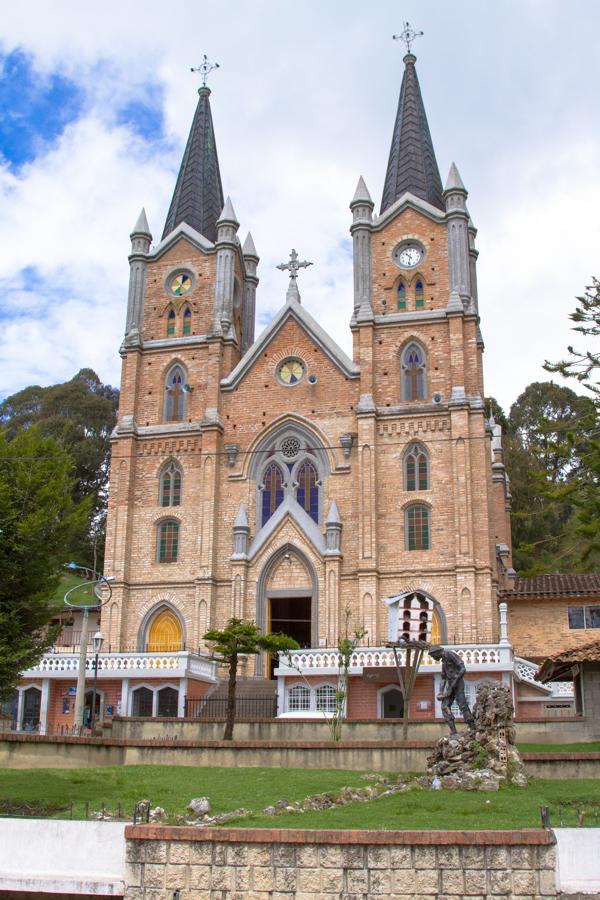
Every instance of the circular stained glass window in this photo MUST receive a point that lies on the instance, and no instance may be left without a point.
(290, 447)
(180, 284)
(291, 371)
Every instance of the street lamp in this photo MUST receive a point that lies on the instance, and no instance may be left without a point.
(98, 640)
(93, 593)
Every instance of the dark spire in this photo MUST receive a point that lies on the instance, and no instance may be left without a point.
(412, 165)
(198, 195)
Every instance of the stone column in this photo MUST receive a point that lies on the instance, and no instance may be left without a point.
(251, 259)
(361, 229)
(227, 247)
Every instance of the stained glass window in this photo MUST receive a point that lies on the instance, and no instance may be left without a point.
(171, 323)
(416, 469)
(417, 528)
(168, 542)
(272, 494)
(175, 401)
(419, 294)
(401, 295)
(187, 321)
(307, 493)
(170, 487)
(413, 373)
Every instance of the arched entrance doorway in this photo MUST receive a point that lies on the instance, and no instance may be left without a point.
(287, 599)
(392, 703)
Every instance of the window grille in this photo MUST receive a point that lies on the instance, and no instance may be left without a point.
(299, 698)
(325, 698)
(417, 528)
(168, 542)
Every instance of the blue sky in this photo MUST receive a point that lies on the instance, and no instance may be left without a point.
(98, 104)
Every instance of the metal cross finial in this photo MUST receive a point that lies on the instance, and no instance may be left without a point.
(293, 265)
(205, 68)
(407, 35)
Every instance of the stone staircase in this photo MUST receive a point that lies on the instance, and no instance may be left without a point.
(254, 686)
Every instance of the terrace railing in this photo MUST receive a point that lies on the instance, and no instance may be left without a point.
(215, 708)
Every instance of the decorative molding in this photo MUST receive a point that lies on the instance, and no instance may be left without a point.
(412, 427)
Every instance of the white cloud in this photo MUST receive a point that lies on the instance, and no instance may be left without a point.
(303, 104)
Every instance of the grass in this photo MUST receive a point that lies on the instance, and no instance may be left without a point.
(255, 788)
(508, 808)
(171, 787)
(577, 747)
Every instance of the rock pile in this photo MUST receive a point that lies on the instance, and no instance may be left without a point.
(486, 757)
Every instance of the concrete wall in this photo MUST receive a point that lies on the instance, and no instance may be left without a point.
(577, 867)
(49, 855)
(260, 864)
(551, 731)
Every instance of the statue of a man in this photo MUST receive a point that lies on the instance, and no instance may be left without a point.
(453, 686)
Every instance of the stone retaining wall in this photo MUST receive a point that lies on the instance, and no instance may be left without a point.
(261, 864)
(29, 751)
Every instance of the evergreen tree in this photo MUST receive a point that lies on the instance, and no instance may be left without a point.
(242, 638)
(80, 415)
(38, 516)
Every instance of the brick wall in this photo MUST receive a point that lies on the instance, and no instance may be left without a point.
(539, 627)
(261, 864)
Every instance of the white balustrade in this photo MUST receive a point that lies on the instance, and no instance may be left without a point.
(383, 657)
(179, 664)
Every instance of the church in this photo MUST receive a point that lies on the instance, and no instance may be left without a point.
(273, 478)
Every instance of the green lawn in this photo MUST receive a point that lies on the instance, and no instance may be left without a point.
(172, 788)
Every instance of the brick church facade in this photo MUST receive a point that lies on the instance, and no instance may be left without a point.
(273, 478)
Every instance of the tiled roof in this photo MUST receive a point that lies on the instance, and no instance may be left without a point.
(412, 165)
(556, 667)
(555, 585)
(198, 195)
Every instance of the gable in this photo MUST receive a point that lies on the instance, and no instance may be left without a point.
(294, 315)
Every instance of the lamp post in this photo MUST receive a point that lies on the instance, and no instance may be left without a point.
(98, 640)
(94, 591)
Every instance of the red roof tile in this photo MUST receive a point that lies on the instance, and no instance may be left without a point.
(555, 585)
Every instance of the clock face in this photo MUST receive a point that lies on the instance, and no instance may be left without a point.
(180, 284)
(408, 256)
(291, 371)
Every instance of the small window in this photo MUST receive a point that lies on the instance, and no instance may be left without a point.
(307, 493)
(417, 528)
(168, 542)
(272, 495)
(576, 617)
(143, 700)
(413, 373)
(416, 469)
(592, 617)
(325, 698)
(170, 486)
(299, 698)
(171, 323)
(187, 321)
(167, 704)
(401, 295)
(419, 295)
(175, 396)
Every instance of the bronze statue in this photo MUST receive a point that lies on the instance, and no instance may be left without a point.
(453, 686)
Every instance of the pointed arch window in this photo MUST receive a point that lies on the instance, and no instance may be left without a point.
(171, 318)
(416, 469)
(401, 295)
(170, 485)
(417, 527)
(165, 633)
(272, 493)
(307, 492)
(168, 541)
(187, 320)
(419, 294)
(413, 373)
(175, 395)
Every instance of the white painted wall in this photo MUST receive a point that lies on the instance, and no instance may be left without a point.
(578, 860)
(62, 856)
